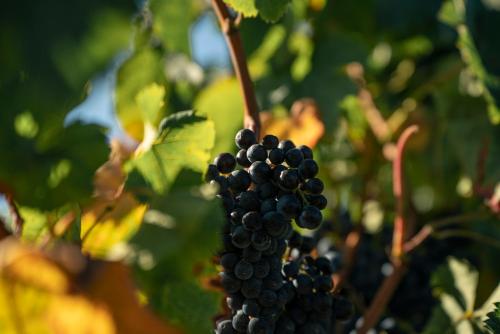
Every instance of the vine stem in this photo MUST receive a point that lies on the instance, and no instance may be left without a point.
(398, 189)
(229, 27)
(17, 218)
(391, 282)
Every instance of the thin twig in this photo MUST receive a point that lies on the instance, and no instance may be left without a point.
(428, 229)
(382, 298)
(468, 235)
(233, 39)
(351, 245)
(398, 189)
(373, 116)
(17, 218)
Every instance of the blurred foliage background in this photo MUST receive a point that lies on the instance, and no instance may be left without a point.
(117, 222)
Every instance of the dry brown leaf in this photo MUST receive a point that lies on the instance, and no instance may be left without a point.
(303, 126)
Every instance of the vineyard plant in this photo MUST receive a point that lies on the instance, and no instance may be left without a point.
(250, 166)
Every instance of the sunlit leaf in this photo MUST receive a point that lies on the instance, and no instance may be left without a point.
(185, 141)
(221, 102)
(304, 125)
(269, 10)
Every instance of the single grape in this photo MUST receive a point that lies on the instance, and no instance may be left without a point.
(245, 138)
(306, 152)
(236, 215)
(318, 201)
(267, 298)
(211, 173)
(235, 300)
(289, 179)
(276, 172)
(313, 186)
(252, 221)
(241, 158)
(270, 142)
(239, 180)
(261, 268)
(241, 238)
(243, 270)
(308, 168)
(260, 172)
(261, 240)
(225, 327)
(276, 156)
(267, 206)
(229, 282)
(289, 206)
(221, 183)
(286, 145)
(251, 288)
(274, 223)
(225, 163)
(273, 281)
(259, 326)
(266, 190)
(240, 321)
(310, 217)
(251, 307)
(256, 152)
(248, 200)
(293, 157)
(228, 261)
(251, 254)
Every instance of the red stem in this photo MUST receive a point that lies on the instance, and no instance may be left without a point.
(398, 189)
(233, 39)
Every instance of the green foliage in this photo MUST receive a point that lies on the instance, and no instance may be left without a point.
(187, 304)
(269, 10)
(493, 321)
(185, 140)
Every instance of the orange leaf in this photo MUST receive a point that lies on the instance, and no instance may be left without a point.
(303, 126)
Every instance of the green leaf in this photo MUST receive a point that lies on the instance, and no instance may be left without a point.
(493, 321)
(185, 141)
(269, 10)
(456, 284)
(221, 102)
(143, 69)
(186, 304)
(171, 22)
(35, 223)
(150, 102)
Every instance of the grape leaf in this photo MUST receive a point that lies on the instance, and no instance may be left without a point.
(171, 22)
(493, 320)
(269, 10)
(186, 304)
(61, 291)
(185, 141)
(222, 103)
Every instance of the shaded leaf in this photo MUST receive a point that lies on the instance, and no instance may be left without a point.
(493, 321)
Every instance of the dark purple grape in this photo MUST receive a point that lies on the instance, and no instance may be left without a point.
(251, 307)
(260, 172)
(241, 158)
(228, 261)
(245, 138)
(289, 179)
(225, 163)
(241, 237)
(276, 156)
(274, 223)
(267, 298)
(252, 221)
(270, 142)
(240, 321)
(259, 326)
(318, 201)
(289, 206)
(310, 217)
(243, 270)
(303, 283)
(211, 173)
(251, 288)
(257, 152)
(261, 268)
(313, 186)
(251, 254)
(229, 282)
(248, 200)
(308, 168)
(225, 327)
(306, 152)
(261, 240)
(239, 180)
(286, 145)
(293, 157)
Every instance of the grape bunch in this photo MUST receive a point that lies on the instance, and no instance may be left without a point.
(277, 185)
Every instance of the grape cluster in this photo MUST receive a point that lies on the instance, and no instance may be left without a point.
(277, 185)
